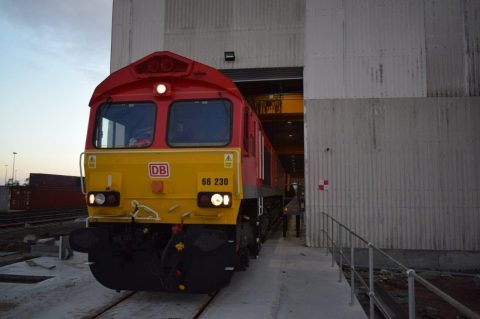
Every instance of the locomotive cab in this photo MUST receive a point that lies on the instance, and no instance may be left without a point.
(175, 201)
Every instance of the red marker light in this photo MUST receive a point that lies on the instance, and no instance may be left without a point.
(111, 199)
(204, 200)
(176, 229)
(166, 65)
(162, 65)
(153, 66)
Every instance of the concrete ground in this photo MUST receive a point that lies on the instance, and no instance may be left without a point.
(72, 292)
(289, 280)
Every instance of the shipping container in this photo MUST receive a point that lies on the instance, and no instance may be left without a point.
(4, 199)
(42, 198)
(20, 198)
(50, 180)
(56, 198)
(39, 198)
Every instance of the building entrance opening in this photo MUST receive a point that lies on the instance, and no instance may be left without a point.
(276, 96)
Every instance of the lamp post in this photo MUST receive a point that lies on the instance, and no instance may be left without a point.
(13, 168)
(5, 182)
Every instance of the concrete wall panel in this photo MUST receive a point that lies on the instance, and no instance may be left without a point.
(138, 29)
(362, 49)
(261, 33)
(403, 173)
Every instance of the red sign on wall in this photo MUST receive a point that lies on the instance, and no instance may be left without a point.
(161, 169)
(323, 185)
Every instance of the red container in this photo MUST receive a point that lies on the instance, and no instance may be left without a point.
(50, 180)
(20, 198)
(44, 198)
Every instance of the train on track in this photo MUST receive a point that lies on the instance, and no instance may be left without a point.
(181, 183)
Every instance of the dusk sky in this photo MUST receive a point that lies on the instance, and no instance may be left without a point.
(53, 53)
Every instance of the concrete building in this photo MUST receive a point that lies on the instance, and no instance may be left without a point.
(391, 101)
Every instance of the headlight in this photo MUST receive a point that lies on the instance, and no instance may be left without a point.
(103, 198)
(100, 199)
(213, 200)
(216, 199)
(161, 88)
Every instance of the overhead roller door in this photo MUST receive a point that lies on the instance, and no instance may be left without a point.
(264, 74)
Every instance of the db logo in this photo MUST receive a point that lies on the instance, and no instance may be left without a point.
(159, 169)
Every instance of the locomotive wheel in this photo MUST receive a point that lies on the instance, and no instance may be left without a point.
(255, 248)
(243, 259)
(264, 225)
(254, 243)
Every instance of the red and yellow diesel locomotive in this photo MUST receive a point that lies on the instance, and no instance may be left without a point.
(181, 182)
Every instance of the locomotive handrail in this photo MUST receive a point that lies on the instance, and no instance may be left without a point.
(135, 204)
(82, 184)
(239, 161)
(328, 223)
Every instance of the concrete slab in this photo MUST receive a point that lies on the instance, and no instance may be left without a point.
(72, 292)
(289, 280)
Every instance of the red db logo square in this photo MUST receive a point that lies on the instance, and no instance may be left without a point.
(159, 169)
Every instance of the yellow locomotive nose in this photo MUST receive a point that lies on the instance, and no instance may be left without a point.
(187, 185)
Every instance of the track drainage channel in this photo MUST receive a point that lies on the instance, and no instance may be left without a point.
(23, 279)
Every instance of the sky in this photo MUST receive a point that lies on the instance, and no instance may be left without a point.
(53, 53)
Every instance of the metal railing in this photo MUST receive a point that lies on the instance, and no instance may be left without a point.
(411, 275)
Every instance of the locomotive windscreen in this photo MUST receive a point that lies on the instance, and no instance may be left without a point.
(200, 123)
(125, 125)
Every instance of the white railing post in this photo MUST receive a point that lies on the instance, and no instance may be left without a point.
(333, 247)
(411, 293)
(325, 234)
(352, 270)
(371, 291)
(340, 251)
(411, 275)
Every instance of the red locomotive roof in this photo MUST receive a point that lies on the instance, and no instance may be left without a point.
(164, 65)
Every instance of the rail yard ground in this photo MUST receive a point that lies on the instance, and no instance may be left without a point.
(288, 280)
(16, 242)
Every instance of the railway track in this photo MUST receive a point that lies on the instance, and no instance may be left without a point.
(156, 305)
(20, 219)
